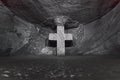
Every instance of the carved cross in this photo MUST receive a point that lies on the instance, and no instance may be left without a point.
(60, 37)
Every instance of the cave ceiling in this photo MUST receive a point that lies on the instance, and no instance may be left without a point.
(38, 11)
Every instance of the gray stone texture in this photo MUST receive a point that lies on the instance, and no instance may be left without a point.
(20, 37)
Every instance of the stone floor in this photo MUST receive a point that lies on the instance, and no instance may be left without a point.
(60, 68)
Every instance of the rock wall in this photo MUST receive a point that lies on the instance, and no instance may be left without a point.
(102, 35)
(19, 37)
(14, 32)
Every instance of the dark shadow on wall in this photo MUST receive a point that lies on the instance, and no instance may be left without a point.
(115, 51)
(6, 52)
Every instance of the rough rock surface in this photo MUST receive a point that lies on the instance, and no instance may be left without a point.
(65, 68)
(37, 11)
(24, 38)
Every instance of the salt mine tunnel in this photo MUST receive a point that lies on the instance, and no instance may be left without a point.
(88, 32)
(26, 24)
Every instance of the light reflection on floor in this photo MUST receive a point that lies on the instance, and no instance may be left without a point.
(60, 68)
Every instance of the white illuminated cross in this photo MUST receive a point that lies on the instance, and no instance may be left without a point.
(60, 37)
